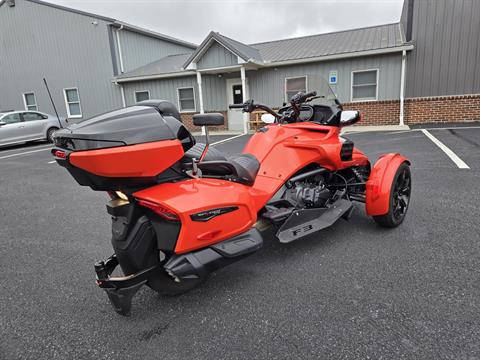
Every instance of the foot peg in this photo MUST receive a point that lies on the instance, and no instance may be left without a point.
(120, 290)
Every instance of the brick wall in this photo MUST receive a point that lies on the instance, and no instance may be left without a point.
(459, 108)
(376, 112)
(442, 109)
(187, 119)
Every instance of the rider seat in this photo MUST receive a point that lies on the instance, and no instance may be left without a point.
(241, 168)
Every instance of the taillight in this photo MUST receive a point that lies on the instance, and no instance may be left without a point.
(59, 154)
(159, 210)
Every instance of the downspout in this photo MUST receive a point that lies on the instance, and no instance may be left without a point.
(119, 45)
(122, 93)
(402, 88)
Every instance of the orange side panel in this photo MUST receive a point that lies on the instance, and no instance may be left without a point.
(192, 196)
(379, 183)
(285, 149)
(141, 160)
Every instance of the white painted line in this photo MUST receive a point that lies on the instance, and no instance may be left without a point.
(52, 162)
(23, 153)
(5, 151)
(225, 140)
(459, 162)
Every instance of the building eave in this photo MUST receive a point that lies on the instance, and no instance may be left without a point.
(399, 49)
(139, 30)
(153, 77)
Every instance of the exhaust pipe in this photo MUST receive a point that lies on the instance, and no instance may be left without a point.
(197, 264)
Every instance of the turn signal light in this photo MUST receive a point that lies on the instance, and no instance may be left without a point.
(60, 154)
(159, 210)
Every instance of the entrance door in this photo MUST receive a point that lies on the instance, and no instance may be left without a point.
(235, 96)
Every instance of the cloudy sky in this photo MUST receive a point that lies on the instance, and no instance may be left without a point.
(248, 21)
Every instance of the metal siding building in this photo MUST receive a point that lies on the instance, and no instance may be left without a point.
(71, 49)
(446, 58)
(109, 61)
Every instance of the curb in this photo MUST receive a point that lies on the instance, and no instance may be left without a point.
(366, 128)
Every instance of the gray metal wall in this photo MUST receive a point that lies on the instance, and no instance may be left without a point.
(214, 90)
(446, 59)
(217, 56)
(39, 41)
(268, 85)
(138, 49)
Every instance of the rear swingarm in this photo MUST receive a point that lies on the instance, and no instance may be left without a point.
(121, 289)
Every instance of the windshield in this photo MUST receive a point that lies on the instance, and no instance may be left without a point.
(314, 82)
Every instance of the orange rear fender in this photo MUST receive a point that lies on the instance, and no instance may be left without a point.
(379, 183)
(194, 196)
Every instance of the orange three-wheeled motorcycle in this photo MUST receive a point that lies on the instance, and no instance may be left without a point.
(181, 210)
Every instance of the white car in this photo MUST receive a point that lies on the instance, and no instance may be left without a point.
(22, 126)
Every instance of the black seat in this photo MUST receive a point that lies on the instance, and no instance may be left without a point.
(196, 151)
(241, 168)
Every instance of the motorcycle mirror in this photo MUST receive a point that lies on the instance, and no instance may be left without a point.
(349, 117)
(268, 118)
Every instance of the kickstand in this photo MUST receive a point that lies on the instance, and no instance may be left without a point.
(121, 298)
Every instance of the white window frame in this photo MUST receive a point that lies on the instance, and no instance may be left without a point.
(294, 77)
(25, 100)
(376, 85)
(140, 91)
(194, 100)
(68, 107)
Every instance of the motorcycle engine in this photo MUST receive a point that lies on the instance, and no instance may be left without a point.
(308, 194)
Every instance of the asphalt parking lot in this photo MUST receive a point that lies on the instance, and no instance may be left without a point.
(354, 291)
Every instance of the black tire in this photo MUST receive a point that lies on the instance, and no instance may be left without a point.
(50, 133)
(165, 285)
(399, 198)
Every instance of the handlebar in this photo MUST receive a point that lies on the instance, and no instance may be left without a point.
(236, 106)
(299, 98)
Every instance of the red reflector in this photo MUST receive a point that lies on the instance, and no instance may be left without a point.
(60, 154)
(159, 210)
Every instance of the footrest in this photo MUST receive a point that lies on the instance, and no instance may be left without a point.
(307, 221)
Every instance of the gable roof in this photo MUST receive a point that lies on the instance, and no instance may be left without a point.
(245, 52)
(334, 43)
(370, 40)
(118, 23)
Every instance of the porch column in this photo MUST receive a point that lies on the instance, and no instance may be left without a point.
(246, 116)
(200, 96)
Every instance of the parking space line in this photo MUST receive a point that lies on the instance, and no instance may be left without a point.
(24, 153)
(459, 162)
(40, 146)
(227, 139)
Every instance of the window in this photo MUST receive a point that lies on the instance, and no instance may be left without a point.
(186, 99)
(237, 94)
(72, 103)
(32, 116)
(364, 85)
(142, 95)
(30, 101)
(294, 85)
(12, 118)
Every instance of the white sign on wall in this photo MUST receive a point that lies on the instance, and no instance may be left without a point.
(332, 77)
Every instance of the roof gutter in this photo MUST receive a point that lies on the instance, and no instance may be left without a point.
(153, 77)
(391, 50)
